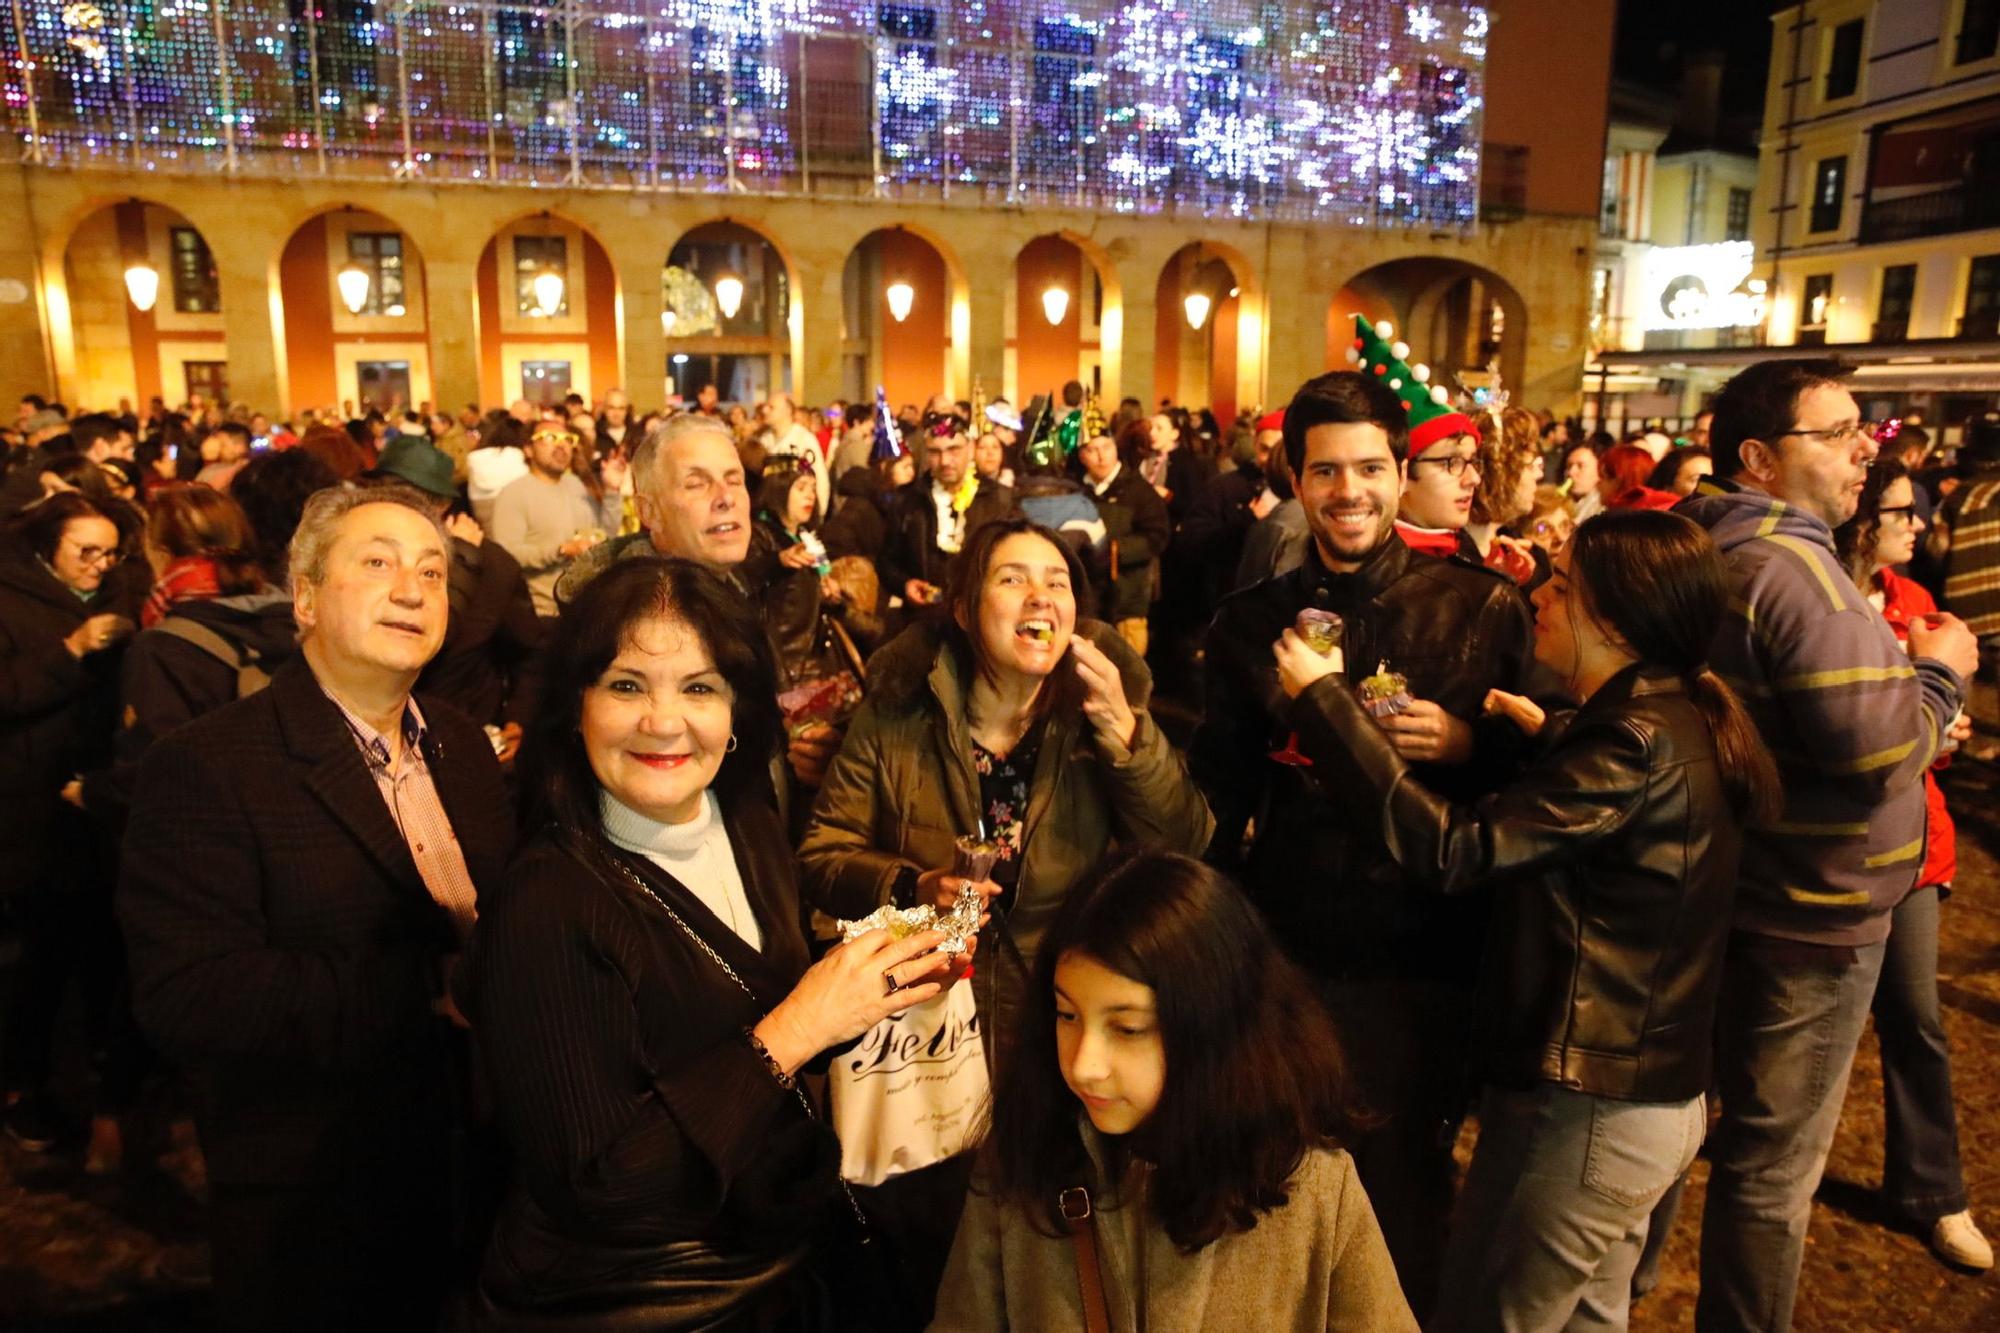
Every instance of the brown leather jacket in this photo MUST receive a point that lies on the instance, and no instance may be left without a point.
(1613, 863)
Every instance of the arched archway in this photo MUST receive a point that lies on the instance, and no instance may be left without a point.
(120, 256)
(747, 354)
(1466, 322)
(1063, 275)
(927, 350)
(528, 349)
(354, 314)
(1208, 330)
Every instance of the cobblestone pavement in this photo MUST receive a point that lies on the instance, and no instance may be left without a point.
(82, 1252)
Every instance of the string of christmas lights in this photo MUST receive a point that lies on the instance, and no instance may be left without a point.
(1361, 111)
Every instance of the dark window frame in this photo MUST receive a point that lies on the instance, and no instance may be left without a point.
(1821, 284)
(1738, 221)
(1829, 196)
(197, 285)
(1978, 32)
(1843, 63)
(381, 254)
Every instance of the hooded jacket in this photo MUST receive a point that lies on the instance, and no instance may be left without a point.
(903, 788)
(1852, 721)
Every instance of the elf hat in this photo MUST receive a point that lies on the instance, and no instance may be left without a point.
(1432, 417)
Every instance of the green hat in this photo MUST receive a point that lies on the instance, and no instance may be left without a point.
(1432, 417)
(416, 460)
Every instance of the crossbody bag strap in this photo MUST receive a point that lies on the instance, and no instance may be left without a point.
(1076, 1214)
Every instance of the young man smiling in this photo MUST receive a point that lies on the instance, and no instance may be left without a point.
(1396, 964)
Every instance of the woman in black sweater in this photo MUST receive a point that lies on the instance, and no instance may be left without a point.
(640, 990)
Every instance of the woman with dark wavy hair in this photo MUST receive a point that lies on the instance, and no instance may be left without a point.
(639, 987)
(1176, 1108)
(1613, 863)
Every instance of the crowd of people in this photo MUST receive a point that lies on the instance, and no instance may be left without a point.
(455, 811)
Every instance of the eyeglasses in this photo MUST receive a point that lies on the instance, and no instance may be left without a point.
(1860, 430)
(91, 555)
(1907, 513)
(1456, 464)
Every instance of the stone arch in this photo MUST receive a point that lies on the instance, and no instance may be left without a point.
(780, 341)
(915, 358)
(1088, 344)
(377, 355)
(1219, 364)
(1463, 320)
(105, 347)
(525, 352)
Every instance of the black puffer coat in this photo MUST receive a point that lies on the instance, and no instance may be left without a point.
(57, 712)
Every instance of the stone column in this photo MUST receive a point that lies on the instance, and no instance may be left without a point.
(451, 291)
(245, 267)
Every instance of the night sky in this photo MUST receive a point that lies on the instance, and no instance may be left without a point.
(1653, 37)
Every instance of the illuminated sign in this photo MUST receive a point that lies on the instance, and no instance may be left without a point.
(1701, 287)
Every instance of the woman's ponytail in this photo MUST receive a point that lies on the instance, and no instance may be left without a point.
(1749, 774)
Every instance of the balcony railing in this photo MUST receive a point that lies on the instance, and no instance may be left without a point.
(1890, 331)
(1935, 214)
(1230, 110)
(1984, 324)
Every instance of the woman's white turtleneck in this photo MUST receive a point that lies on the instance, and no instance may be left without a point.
(696, 853)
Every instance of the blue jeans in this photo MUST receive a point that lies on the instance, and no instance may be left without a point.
(1786, 1030)
(1921, 1175)
(1553, 1213)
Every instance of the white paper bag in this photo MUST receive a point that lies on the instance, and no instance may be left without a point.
(911, 1091)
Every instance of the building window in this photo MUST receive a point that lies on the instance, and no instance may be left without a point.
(380, 255)
(1892, 314)
(1829, 187)
(1814, 307)
(207, 381)
(1978, 31)
(1739, 215)
(534, 255)
(1982, 299)
(1843, 68)
(197, 289)
(545, 383)
(383, 385)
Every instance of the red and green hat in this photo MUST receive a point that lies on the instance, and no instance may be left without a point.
(1432, 417)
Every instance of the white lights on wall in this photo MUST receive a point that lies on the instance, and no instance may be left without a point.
(1701, 287)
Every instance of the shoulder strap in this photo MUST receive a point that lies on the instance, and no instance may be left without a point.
(1074, 1203)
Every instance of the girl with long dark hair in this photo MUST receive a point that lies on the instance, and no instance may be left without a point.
(1175, 1112)
(1613, 862)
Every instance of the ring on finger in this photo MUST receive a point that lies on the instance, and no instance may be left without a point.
(889, 983)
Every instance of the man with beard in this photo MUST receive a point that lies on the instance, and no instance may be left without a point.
(939, 510)
(1396, 964)
(547, 518)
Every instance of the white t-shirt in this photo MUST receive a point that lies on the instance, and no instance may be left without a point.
(696, 853)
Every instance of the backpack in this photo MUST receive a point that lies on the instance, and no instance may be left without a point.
(247, 662)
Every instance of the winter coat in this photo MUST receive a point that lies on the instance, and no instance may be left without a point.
(491, 638)
(57, 711)
(1852, 722)
(1316, 1262)
(1903, 601)
(903, 788)
(911, 551)
(1137, 530)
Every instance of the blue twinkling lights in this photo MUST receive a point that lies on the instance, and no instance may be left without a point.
(1359, 111)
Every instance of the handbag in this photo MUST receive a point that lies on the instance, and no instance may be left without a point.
(909, 1093)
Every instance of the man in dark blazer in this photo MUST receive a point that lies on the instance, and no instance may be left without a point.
(299, 875)
(930, 527)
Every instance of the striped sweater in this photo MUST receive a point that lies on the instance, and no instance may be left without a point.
(1972, 566)
(1852, 721)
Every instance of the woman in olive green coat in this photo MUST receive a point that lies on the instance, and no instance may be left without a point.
(1011, 721)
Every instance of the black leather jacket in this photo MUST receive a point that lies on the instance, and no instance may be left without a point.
(1613, 864)
(1318, 867)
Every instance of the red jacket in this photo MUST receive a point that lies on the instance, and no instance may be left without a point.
(1905, 600)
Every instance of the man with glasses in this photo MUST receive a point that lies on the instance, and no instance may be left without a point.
(1854, 723)
(1444, 475)
(1395, 964)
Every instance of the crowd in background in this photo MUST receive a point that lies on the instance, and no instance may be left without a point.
(1624, 754)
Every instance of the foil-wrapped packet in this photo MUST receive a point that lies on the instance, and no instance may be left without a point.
(959, 925)
(1385, 693)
